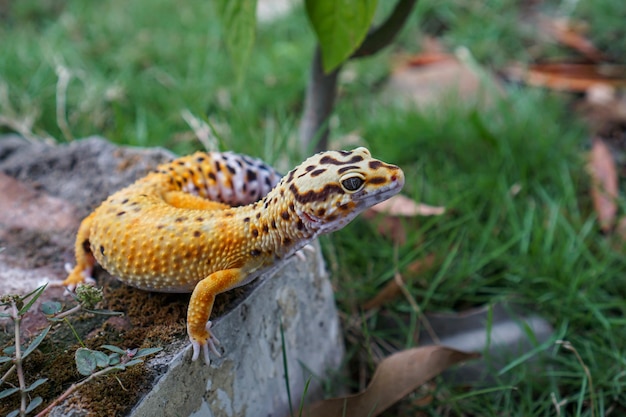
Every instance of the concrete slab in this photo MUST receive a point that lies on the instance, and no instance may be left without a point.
(45, 192)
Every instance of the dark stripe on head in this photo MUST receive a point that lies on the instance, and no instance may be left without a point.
(311, 195)
(348, 168)
(377, 180)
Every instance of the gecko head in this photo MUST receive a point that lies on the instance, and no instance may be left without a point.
(331, 188)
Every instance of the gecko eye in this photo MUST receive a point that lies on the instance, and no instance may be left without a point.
(352, 183)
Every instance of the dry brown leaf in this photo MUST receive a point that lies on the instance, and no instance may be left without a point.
(567, 76)
(392, 289)
(400, 205)
(395, 377)
(570, 34)
(604, 184)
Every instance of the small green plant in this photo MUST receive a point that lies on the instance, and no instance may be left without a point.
(17, 307)
(90, 363)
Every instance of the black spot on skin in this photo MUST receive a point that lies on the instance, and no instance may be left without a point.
(318, 172)
(199, 219)
(344, 153)
(255, 233)
(321, 212)
(211, 176)
(180, 219)
(286, 241)
(348, 168)
(229, 214)
(170, 168)
(238, 162)
(179, 184)
(300, 224)
(232, 170)
(244, 187)
(265, 228)
(343, 207)
(375, 164)
(292, 207)
(255, 252)
(246, 220)
(121, 213)
(284, 215)
(200, 159)
(181, 163)
(377, 180)
(208, 261)
(268, 182)
(258, 215)
(124, 201)
(102, 249)
(161, 226)
(86, 246)
(197, 233)
(290, 176)
(218, 168)
(331, 218)
(310, 168)
(282, 193)
(273, 224)
(250, 175)
(311, 195)
(332, 161)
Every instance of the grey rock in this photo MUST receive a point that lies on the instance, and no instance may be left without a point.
(295, 304)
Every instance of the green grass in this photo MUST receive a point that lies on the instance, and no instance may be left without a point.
(136, 65)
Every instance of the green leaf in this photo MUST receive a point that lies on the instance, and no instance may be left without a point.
(8, 392)
(36, 341)
(147, 351)
(34, 404)
(238, 19)
(340, 26)
(114, 359)
(102, 359)
(4, 359)
(115, 349)
(35, 295)
(133, 362)
(86, 361)
(103, 312)
(36, 384)
(50, 308)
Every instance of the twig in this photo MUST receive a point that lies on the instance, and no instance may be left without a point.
(567, 345)
(18, 357)
(71, 390)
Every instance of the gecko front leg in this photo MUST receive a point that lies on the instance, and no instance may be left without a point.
(200, 306)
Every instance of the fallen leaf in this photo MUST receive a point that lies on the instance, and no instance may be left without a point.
(396, 376)
(392, 289)
(604, 184)
(567, 76)
(400, 205)
(571, 34)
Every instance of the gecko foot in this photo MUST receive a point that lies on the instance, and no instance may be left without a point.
(209, 344)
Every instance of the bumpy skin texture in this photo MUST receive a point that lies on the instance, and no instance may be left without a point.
(210, 222)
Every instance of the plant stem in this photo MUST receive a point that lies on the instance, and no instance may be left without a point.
(321, 89)
(73, 388)
(18, 358)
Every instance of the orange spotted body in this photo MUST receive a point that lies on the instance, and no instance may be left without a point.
(209, 222)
